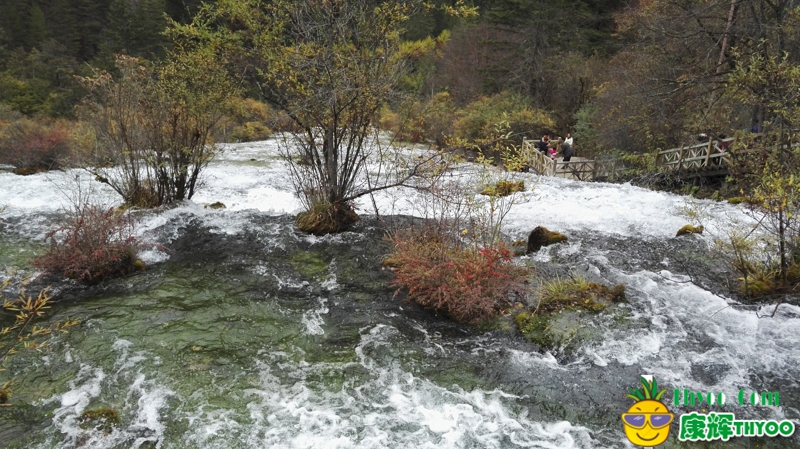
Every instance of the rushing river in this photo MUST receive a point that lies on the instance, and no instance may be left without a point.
(245, 333)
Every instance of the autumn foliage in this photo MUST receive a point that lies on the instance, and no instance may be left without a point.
(34, 146)
(467, 283)
(96, 243)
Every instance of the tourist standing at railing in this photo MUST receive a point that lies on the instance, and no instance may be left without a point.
(568, 139)
(566, 150)
(543, 144)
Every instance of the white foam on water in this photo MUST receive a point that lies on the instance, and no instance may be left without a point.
(140, 412)
(391, 407)
(691, 327)
(313, 320)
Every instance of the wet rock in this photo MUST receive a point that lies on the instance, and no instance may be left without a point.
(709, 374)
(540, 237)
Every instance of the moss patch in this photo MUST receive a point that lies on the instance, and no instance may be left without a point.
(689, 229)
(504, 188)
(577, 293)
(559, 319)
(102, 418)
(25, 171)
(741, 199)
(217, 205)
(310, 265)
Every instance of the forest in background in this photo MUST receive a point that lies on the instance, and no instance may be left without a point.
(619, 76)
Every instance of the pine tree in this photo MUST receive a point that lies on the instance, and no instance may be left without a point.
(63, 26)
(37, 29)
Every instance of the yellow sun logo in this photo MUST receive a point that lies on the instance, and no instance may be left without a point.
(647, 421)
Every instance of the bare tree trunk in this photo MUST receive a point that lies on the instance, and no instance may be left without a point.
(722, 51)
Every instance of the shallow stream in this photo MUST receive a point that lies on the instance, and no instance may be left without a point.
(245, 333)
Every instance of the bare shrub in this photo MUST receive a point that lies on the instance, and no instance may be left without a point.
(155, 124)
(96, 243)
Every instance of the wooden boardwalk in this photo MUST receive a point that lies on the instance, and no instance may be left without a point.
(579, 168)
(712, 158)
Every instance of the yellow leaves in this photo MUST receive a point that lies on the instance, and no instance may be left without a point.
(23, 333)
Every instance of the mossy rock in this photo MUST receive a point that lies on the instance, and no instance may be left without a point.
(326, 218)
(102, 418)
(25, 171)
(535, 327)
(217, 205)
(4, 396)
(741, 199)
(501, 323)
(689, 229)
(577, 294)
(540, 237)
(504, 188)
(310, 264)
(138, 265)
(564, 330)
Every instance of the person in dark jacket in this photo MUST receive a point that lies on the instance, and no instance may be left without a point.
(543, 144)
(566, 150)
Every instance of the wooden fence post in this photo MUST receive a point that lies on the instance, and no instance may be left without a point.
(708, 152)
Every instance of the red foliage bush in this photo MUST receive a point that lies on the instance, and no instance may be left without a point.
(468, 284)
(95, 244)
(36, 146)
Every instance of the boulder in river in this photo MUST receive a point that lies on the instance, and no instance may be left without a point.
(540, 237)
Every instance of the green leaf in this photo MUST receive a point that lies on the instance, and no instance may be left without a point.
(645, 388)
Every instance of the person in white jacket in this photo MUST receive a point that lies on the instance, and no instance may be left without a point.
(568, 139)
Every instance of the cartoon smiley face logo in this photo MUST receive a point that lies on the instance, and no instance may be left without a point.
(647, 421)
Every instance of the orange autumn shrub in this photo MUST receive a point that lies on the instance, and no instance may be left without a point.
(467, 283)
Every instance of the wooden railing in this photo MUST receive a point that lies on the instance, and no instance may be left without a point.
(712, 155)
(710, 158)
(577, 168)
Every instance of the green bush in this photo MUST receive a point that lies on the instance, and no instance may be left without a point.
(421, 121)
(477, 123)
(251, 131)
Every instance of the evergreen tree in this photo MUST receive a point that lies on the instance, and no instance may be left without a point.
(16, 21)
(37, 28)
(63, 26)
